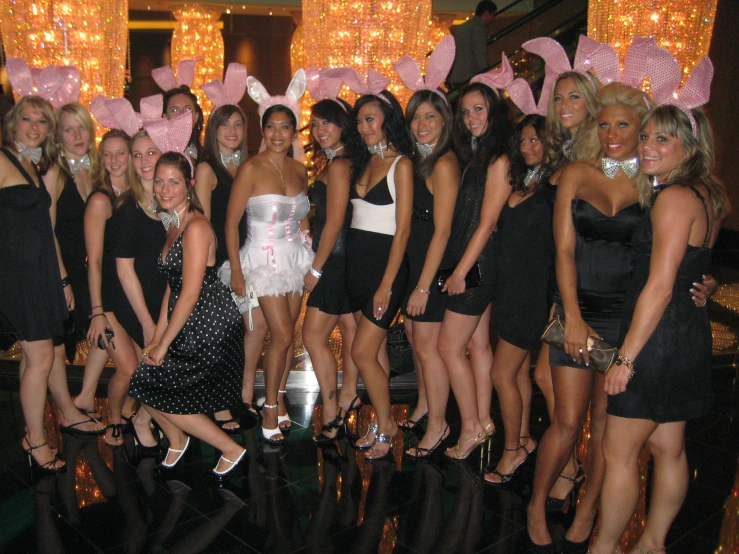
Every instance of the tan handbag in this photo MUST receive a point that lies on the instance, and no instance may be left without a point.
(602, 354)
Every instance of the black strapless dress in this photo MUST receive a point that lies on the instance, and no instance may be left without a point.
(32, 301)
(605, 263)
(330, 294)
(218, 205)
(422, 231)
(524, 263)
(472, 301)
(672, 380)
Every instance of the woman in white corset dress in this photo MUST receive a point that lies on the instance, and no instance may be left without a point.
(271, 187)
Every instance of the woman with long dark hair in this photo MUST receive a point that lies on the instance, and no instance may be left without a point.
(271, 188)
(181, 100)
(481, 132)
(521, 307)
(223, 152)
(436, 184)
(381, 194)
(328, 303)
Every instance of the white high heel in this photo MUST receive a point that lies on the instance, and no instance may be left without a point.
(284, 418)
(269, 433)
(222, 475)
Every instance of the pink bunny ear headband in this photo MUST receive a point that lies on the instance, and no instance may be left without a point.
(375, 83)
(58, 85)
(118, 113)
(499, 78)
(437, 68)
(164, 76)
(172, 135)
(665, 77)
(322, 87)
(229, 91)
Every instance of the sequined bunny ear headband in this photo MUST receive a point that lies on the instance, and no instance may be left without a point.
(499, 78)
(322, 87)
(172, 135)
(229, 91)
(375, 84)
(437, 68)
(118, 113)
(294, 92)
(665, 77)
(58, 85)
(165, 78)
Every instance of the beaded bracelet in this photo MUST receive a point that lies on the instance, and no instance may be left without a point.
(317, 274)
(621, 359)
(419, 289)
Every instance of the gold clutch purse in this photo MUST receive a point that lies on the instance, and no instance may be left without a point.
(602, 354)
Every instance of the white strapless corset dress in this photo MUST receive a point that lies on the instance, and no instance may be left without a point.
(274, 258)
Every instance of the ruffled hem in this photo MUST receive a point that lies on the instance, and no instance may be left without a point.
(267, 280)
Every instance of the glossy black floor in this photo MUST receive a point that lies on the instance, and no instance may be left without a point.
(298, 498)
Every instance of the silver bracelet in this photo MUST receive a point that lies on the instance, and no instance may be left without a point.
(419, 289)
(317, 274)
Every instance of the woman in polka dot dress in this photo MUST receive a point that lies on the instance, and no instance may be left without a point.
(193, 365)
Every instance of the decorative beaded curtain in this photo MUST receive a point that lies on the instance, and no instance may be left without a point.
(197, 36)
(88, 34)
(684, 27)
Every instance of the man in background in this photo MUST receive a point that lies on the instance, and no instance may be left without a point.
(471, 44)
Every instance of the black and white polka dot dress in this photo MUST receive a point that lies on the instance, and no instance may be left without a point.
(202, 370)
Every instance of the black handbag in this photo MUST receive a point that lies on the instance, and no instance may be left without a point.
(472, 279)
(602, 354)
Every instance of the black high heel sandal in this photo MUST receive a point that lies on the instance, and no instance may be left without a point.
(411, 425)
(569, 547)
(322, 440)
(46, 468)
(420, 453)
(554, 505)
(506, 477)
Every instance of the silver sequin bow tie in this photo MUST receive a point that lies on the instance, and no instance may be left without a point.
(192, 151)
(425, 149)
(76, 165)
(610, 167)
(330, 153)
(234, 158)
(532, 175)
(377, 149)
(26, 152)
(173, 219)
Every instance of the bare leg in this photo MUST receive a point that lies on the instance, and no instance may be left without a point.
(422, 406)
(39, 357)
(366, 349)
(317, 328)
(481, 360)
(253, 347)
(349, 372)
(201, 427)
(277, 313)
(456, 332)
(121, 349)
(506, 367)
(296, 302)
(588, 503)
(523, 379)
(622, 444)
(436, 378)
(70, 415)
(572, 390)
(96, 360)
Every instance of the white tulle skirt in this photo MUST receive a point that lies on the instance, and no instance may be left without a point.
(275, 269)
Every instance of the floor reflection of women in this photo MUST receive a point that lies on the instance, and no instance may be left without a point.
(463, 528)
(423, 522)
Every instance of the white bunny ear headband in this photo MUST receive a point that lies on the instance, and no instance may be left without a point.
(295, 91)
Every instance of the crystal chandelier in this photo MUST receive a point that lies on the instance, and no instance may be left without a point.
(88, 34)
(197, 36)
